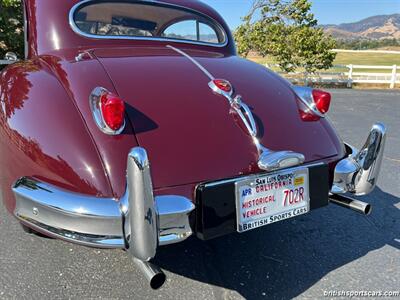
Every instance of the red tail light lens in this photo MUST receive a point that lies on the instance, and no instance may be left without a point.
(313, 104)
(308, 116)
(322, 100)
(113, 111)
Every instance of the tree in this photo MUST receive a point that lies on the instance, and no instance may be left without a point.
(11, 27)
(287, 31)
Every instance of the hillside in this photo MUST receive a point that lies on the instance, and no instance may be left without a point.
(376, 27)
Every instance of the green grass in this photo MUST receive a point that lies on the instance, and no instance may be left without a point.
(370, 59)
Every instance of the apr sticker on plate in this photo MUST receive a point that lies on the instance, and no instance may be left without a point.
(271, 198)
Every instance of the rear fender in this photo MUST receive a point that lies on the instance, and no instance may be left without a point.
(79, 79)
(42, 135)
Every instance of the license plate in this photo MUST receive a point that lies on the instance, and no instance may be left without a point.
(271, 198)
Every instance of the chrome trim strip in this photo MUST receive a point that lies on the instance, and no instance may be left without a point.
(359, 172)
(246, 115)
(204, 70)
(76, 29)
(236, 103)
(85, 55)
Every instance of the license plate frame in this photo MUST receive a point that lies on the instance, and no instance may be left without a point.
(271, 210)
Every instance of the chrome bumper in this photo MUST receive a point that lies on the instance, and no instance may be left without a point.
(138, 221)
(141, 222)
(358, 173)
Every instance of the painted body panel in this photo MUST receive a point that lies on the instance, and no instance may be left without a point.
(79, 79)
(43, 135)
(189, 131)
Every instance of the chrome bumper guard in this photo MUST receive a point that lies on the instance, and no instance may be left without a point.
(138, 221)
(358, 173)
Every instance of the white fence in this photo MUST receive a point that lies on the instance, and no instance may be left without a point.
(348, 74)
(366, 51)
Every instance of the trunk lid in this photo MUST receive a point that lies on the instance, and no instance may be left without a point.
(188, 130)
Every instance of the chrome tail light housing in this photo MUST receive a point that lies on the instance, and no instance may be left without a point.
(108, 111)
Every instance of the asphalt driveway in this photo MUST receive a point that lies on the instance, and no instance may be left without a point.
(328, 249)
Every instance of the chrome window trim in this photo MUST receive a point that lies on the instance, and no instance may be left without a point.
(76, 29)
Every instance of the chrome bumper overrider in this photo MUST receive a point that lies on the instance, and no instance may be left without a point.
(138, 221)
(358, 173)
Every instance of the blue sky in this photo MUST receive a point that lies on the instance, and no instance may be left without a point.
(326, 11)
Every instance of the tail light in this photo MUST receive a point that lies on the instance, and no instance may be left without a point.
(113, 111)
(313, 104)
(322, 100)
(108, 111)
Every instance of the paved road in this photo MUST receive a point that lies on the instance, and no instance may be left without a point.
(329, 249)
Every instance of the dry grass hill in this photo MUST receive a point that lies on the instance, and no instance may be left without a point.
(376, 27)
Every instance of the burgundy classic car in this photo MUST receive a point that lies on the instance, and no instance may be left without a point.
(134, 125)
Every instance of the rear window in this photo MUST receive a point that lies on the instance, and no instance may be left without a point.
(139, 20)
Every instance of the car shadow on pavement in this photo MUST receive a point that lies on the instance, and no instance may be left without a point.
(285, 259)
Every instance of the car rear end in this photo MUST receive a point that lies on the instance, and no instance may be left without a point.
(194, 140)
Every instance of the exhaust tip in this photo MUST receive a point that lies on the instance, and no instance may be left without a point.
(353, 204)
(158, 281)
(155, 276)
(368, 209)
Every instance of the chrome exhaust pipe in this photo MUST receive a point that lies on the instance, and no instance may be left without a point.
(153, 273)
(353, 204)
